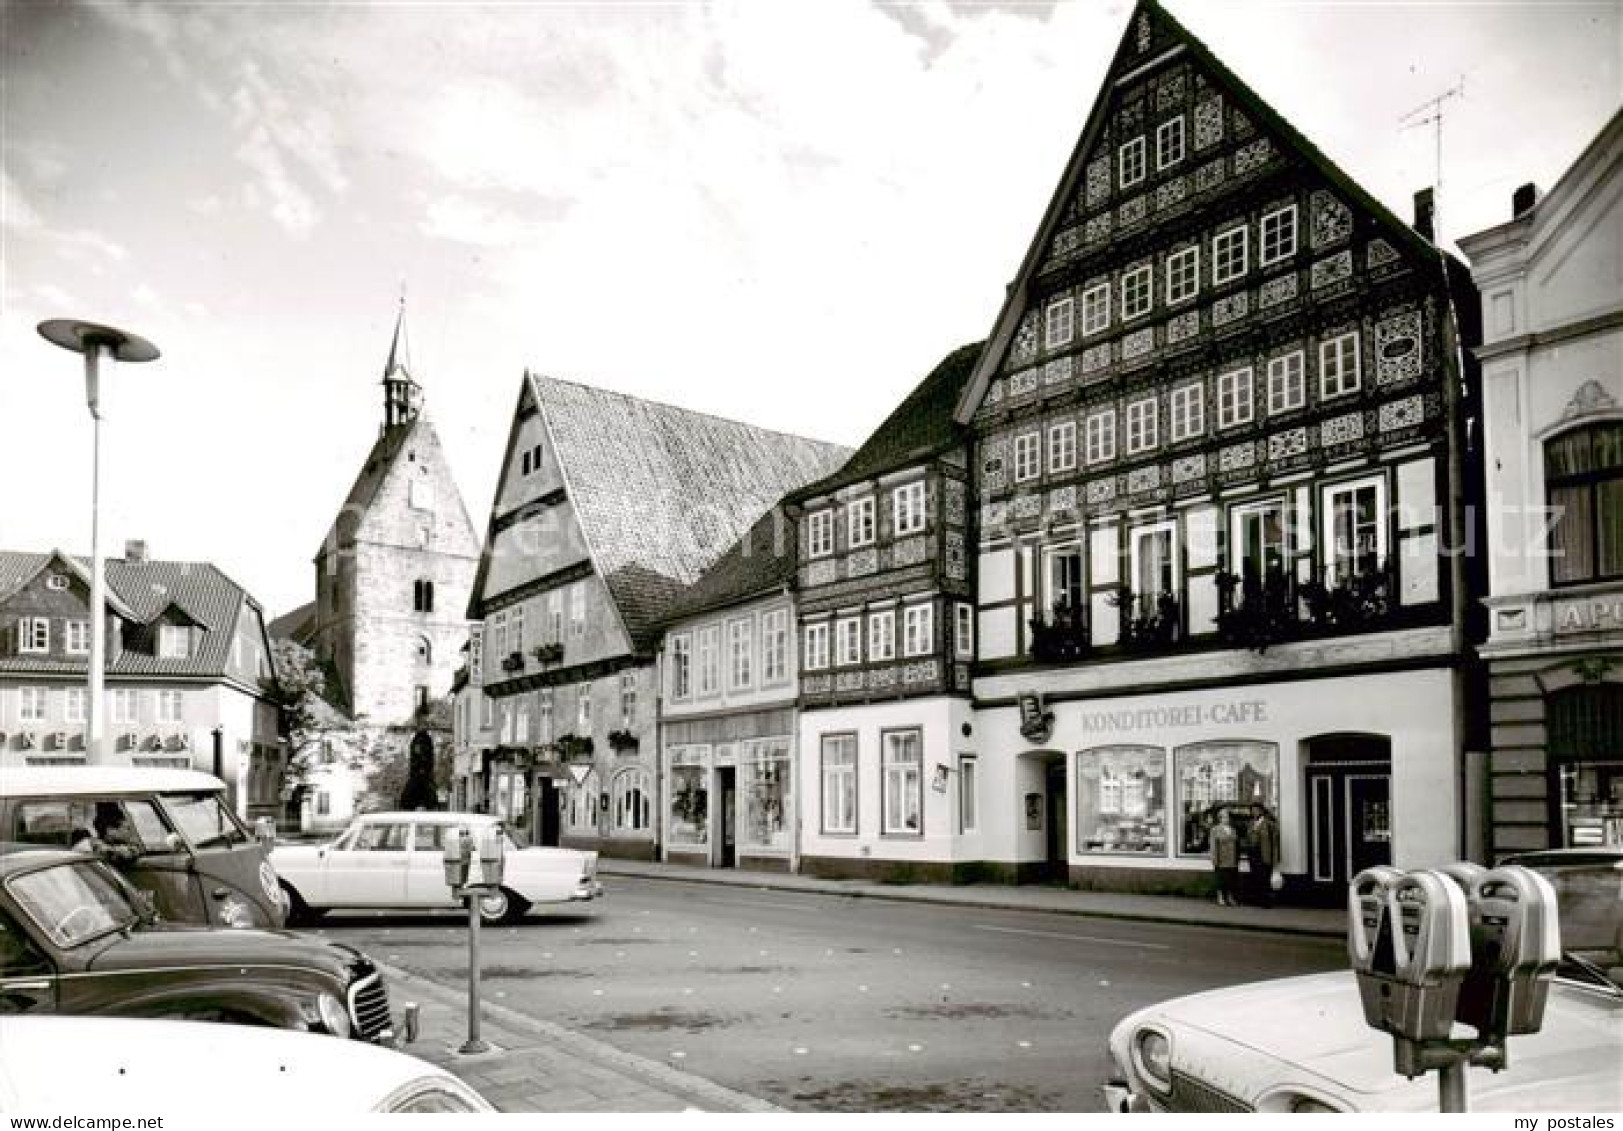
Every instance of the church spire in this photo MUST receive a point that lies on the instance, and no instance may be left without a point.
(401, 393)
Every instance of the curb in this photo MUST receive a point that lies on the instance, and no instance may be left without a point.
(901, 895)
(647, 1071)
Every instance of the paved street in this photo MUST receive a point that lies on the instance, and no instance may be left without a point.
(825, 1003)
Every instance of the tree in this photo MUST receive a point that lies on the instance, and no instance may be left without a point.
(314, 727)
(389, 763)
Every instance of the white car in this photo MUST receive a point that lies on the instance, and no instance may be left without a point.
(54, 1064)
(396, 860)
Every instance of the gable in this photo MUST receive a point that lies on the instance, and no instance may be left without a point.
(415, 493)
(1573, 264)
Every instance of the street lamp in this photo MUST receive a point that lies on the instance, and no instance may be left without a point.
(96, 342)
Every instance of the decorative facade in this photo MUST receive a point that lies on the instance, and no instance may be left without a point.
(1218, 465)
(607, 507)
(1552, 360)
(189, 681)
(887, 639)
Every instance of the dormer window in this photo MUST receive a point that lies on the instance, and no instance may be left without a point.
(56, 582)
(174, 642)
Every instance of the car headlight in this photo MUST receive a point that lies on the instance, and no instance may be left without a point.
(237, 912)
(1152, 1056)
(334, 1017)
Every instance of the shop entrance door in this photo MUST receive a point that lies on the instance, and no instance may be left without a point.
(1059, 870)
(1349, 802)
(726, 844)
(546, 813)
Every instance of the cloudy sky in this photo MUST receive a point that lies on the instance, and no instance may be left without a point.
(780, 212)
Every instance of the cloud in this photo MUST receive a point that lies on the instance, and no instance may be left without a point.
(16, 214)
(286, 149)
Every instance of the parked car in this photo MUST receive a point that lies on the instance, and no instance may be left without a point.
(56, 1063)
(1302, 1044)
(169, 832)
(396, 860)
(76, 939)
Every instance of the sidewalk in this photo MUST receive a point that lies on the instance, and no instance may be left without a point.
(1326, 922)
(537, 1066)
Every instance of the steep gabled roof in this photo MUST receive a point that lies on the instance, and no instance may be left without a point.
(1166, 34)
(145, 590)
(18, 569)
(920, 427)
(297, 625)
(661, 492)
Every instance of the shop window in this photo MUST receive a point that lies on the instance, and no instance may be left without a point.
(839, 777)
(1121, 799)
(1212, 777)
(581, 814)
(765, 785)
(690, 797)
(631, 802)
(1583, 475)
(1586, 761)
(901, 771)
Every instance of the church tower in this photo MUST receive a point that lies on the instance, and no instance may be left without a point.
(394, 574)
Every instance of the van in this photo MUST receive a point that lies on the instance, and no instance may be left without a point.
(171, 833)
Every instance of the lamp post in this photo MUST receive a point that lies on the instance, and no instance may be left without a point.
(96, 342)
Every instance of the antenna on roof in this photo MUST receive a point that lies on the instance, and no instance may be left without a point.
(1430, 113)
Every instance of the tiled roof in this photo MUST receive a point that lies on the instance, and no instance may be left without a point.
(760, 562)
(662, 492)
(299, 625)
(920, 426)
(197, 589)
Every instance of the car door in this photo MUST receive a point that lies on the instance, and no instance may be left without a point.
(425, 878)
(27, 975)
(369, 869)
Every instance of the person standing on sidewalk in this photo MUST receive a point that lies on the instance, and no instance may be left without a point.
(1262, 854)
(1225, 844)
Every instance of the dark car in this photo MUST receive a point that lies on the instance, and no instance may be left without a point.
(76, 938)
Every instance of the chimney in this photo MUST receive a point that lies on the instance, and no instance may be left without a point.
(135, 550)
(1523, 200)
(1425, 214)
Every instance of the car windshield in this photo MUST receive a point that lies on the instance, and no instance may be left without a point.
(205, 822)
(74, 902)
(1589, 896)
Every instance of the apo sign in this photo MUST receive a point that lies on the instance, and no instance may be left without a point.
(1224, 713)
(1590, 614)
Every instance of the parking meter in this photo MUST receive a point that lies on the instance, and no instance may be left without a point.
(1366, 918)
(1516, 940)
(458, 857)
(490, 858)
(1409, 980)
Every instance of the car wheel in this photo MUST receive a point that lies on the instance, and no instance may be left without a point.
(299, 913)
(501, 906)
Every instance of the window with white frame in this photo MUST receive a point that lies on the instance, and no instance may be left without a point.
(1137, 286)
(171, 706)
(1188, 409)
(1096, 309)
(521, 722)
(882, 635)
(918, 630)
(820, 533)
(555, 617)
(1338, 365)
(968, 794)
(1026, 457)
(1131, 162)
(631, 802)
(1354, 529)
(1234, 397)
(859, 521)
(583, 710)
(709, 660)
(545, 730)
(31, 704)
(498, 634)
(901, 772)
(1062, 446)
(33, 634)
(681, 666)
(817, 645)
(963, 635)
(1063, 597)
(1257, 546)
(515, 629)
(577, 610)
(1102, 436)
(839, 774)
(740, 654)
(1141, 426)
(1229, 254)
(581, 813)
(174, 641)
(1287, 382)
(123, 705)
(1278, 235)
(1183, 275)
(775, 646)
(1154, 564)
(79, 638)
(848, 641)
(1169, 143)
(907, 508)
(1059, 322)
